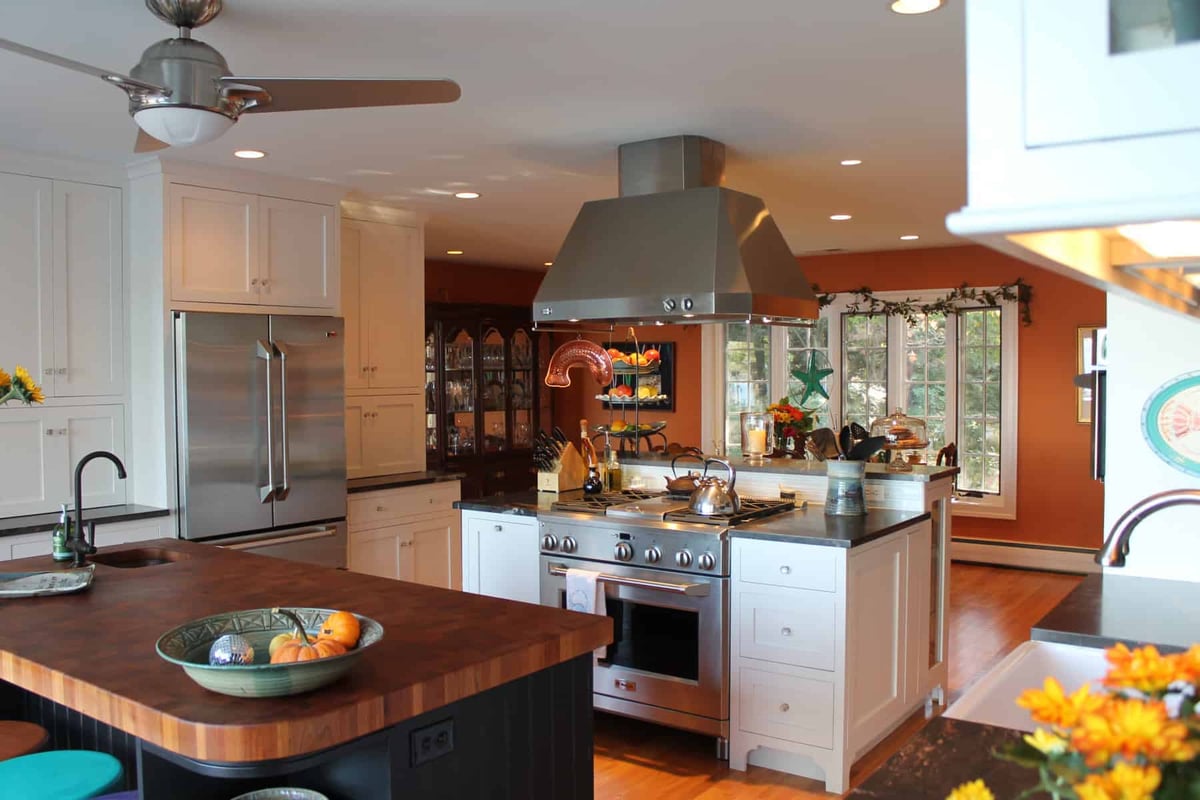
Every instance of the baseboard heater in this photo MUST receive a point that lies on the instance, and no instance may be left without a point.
(1052, 558)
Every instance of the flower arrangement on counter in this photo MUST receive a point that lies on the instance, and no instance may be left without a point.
(1140, 741)
(789, 420)
(19, 386)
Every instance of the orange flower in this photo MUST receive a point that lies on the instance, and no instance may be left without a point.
(1131, 729)
(1143, 669)
(1051, 706)
(1123, 782)
(1188, 665)
(5, 381)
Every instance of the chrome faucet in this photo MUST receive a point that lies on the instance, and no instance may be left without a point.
(1116, 546)
(84, 546)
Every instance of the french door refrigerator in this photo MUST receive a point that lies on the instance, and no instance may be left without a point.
(260, 421)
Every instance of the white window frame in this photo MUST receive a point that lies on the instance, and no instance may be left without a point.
(999, 506)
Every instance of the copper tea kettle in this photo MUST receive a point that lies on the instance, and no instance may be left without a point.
(684, 484)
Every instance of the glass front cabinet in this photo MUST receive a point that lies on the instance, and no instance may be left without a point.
(482, 402)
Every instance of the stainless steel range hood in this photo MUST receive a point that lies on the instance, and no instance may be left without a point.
(674, 247)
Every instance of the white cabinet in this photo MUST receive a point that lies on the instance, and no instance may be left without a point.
(236, 247)
(829, 649)
(385, 435)
(383, 290)
(409, 534)
(42, 447)
(500, 555)
(61, 270)
(108, 534)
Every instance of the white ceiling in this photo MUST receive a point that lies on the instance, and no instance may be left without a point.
(550, 88)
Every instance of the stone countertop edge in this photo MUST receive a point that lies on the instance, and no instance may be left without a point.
(400, 479)
(1106, 609)
(813, 526)
(521, 504)
(792, 466)
(12, 526)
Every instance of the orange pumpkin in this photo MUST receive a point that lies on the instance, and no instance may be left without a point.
(341, 627)
(303, 648)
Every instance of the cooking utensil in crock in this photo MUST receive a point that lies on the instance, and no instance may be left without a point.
(579, 352)
(713, 495)
(684, 484)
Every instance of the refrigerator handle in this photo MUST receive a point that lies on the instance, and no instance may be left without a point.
(267, 493)
(1099, 411)
(284, 488)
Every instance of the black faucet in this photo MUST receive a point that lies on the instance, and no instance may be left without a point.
(84, 546)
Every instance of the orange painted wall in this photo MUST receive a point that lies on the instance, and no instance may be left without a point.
(1057, 502)
(454, 282)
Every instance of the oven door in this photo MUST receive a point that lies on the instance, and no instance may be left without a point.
(669, 645)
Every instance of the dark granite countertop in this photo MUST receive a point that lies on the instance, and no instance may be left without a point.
(522, 504)
(812, 526)
(799, 466)
(943, 755)
(1106, 609)
(399, 479)
(11, 526)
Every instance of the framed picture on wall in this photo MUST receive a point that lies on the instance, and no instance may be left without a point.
(1085, 347)
(645, 378)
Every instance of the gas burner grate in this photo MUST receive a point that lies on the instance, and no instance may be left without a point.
(597, 503)
(751, 509)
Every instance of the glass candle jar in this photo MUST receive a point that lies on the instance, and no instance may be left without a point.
(757, 435)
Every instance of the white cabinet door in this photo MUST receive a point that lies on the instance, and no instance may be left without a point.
(33, 469)
(876, 631)
(94, 428)
(381, 551)
(296, 264)
(434, 556)
(25, 275)
(89, 338)
(213, 245)
(356, 423)
(500, 556)
(394, 436)
(393, 305)
(352, 310)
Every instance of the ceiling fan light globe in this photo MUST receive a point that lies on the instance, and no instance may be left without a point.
(182, 127)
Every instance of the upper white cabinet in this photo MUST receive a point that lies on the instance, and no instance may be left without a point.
(383, 291)
(236, 247)
(61, 268)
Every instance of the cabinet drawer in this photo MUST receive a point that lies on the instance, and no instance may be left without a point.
(499, 523)
(796, 627)
(786, 707)
(796, 566)
(372, 508)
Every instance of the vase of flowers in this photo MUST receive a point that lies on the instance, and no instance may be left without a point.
(792, 425)
(19, 386)
(1139, 740)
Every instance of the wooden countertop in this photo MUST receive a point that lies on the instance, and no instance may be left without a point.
(94, 651)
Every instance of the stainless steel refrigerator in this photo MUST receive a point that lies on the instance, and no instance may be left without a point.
(260, 420)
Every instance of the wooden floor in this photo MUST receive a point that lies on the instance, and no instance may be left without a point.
(991, 612)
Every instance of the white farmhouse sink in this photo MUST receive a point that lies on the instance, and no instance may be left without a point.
(992, 700)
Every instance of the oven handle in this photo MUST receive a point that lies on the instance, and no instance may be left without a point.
(689, 589)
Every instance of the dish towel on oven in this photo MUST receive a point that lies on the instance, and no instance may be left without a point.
(584, 594)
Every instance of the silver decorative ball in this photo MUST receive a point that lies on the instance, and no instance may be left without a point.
(230, 649)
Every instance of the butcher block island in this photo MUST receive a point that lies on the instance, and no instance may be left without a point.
(465, 696)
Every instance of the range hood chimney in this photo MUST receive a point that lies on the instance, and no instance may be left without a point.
(676, 247)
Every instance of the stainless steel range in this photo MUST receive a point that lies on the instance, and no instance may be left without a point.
(665, 573)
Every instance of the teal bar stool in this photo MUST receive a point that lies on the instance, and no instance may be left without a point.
(59, 775)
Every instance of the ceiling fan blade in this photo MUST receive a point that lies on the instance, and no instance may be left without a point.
(303, 94)
(130, 85)
(147, 143)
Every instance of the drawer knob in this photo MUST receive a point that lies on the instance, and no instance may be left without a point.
(786, 632)
(785, 570)
(784, 707)
(380, 508)
(497, 527)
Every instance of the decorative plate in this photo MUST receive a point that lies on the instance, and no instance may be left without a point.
(187, 646)
(1171, 422)
(37, 584)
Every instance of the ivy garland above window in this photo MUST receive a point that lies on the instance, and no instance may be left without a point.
(866, 302)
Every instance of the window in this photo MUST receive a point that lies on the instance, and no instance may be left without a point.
(958, 372)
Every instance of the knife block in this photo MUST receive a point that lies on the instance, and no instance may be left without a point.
(569, 476)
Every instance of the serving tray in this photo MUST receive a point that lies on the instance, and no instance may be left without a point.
(38, 584)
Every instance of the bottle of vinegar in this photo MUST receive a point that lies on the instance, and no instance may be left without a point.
(592, 484)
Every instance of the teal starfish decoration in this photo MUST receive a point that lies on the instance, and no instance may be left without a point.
(812, 378)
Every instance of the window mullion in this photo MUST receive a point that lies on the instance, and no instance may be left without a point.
(778, 370)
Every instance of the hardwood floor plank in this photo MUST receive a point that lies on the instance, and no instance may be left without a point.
(991, 612)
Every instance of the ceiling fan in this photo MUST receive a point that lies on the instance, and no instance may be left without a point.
(181, 92)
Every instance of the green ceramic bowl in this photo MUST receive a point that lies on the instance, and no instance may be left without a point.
(188, 647)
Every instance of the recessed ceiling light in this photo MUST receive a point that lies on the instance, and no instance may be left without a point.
(249, 154)
(466, 195)
(909, 237)
(454, 252)
(548, 264)
(851, 162)
(840, 217)
(915, 6)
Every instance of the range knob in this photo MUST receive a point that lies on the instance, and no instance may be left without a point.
(653, 555)
(707, 561)
(568, 544)
(549, 541)
(623, 551)
(683, 558)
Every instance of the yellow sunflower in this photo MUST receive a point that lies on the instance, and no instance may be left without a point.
(974, 790)
(32, 392)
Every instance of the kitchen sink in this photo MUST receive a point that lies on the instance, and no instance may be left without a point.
(992, 700)
(138, 557)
